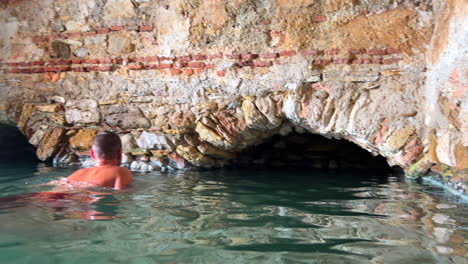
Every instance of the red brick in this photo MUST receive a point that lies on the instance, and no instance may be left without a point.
(134, 66)
(70, 35)
(246, 63)
(262, 63)
(221, 73)
(376, 52)
(25, 71)
(164, 66)
(12, 71)
(162, 58)
(196, 65)
(309, 52)
(51, 69)
(197, 71)
(64, 62)
(377, 61)
(102, 30)
(340, 61)
(175, 71)
(179, 64)
(90, 33)
(366, 61)
(131, 28)
(391, 61)
(210, 66)
(78, 69)
(356, 51)
(65, 68)
(145, 28)
(215, 56)
(145, 59)
(106, 61)
(393, 51)
(75, 61)
(269, 55)
(38, 63)
(188, 72)
(13, 64)
(288, 53)
(322, 62)
(38, 39)
(91, 61)
(331, 51)
(50, 63)
(116, 28)
(357, 61)
(233, 56)
(249, 56)
(24, 64)
(37, 70)
(183, 58)
(320, 19)
(151, 66)
(198, 57)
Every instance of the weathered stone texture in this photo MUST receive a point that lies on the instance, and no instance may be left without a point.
(199, 81)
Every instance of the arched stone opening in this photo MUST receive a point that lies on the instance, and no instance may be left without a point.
(14, 146)
(309, 151)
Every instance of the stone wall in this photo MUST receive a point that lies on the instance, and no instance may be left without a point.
(192, 83)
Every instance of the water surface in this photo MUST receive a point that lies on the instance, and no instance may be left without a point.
(231, 216)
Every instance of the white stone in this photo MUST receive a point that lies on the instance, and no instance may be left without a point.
(115, 9)
(81, 52)
(153, 141)
(36, 137)
(444, 149)
(128, 143)
(82, 112)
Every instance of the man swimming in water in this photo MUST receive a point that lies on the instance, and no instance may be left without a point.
(107, 152)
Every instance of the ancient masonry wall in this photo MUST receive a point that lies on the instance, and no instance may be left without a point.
(193, 83)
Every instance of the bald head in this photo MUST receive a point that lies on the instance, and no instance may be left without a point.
(107, 145)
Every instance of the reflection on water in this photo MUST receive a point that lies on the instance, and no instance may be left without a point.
(230, 217)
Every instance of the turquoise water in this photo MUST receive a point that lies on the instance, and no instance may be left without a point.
(231, 216)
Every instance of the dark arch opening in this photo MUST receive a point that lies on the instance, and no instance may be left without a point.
(14, 146)
(310, 151)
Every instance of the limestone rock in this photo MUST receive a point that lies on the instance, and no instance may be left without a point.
(193, 156)
(50, 108)
(128, 143)
(398, 138)
(83, 140)
(49, 143)
(177, 162)
(149, 140)
(209, 150)
(82, 112)
(207, 134)
(119, 44)
(81, 52)
(182, 119)
(126, 117)
(128, 121)
(25, 115)
(36, 137)
(461, 156)
(253, 117)
(115, 9)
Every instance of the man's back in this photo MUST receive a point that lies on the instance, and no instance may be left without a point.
(105, 176)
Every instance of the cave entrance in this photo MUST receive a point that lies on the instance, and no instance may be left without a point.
(309, 151)
(14, 146)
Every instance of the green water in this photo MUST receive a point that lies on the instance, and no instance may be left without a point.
(232, 216)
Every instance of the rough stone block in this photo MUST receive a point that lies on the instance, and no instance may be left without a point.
(149, 140)
(82, 112)
(83, 140)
